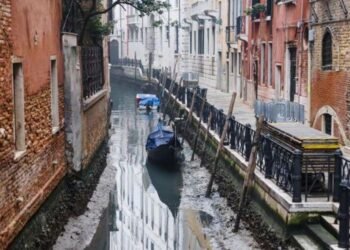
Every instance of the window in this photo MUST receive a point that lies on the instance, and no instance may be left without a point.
(262, 64)
(327, 124)
(201, 41)
(195, 42)
(190, 42)
(161, 37)
(269, 64)
(213, 35)
(327, 51)
(54, 96)
(19, 124)
(208, 43)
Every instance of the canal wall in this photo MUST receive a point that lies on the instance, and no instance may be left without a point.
(70, 198)
(271, 214)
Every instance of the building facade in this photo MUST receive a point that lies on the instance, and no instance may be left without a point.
(330, 68)
(276, 51)
(32, 156)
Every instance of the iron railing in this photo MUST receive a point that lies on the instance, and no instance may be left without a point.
(295, 172)
(92, 70)
(130, 62)
(280, 111)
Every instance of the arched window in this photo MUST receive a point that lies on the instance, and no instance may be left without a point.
(327, 51)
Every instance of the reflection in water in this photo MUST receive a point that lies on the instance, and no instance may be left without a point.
(146, 206)
(149, 214)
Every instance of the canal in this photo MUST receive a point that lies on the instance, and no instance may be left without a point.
(157, 208)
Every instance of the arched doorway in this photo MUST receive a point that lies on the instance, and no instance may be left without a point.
(114, 52)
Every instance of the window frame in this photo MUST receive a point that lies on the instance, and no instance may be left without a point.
(327, 51)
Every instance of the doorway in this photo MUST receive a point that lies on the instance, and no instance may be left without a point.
(292, 69)
(278, 81)
(219, 71)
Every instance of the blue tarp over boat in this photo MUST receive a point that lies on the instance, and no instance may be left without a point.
(161, 136)
(150, 101)
(163, 147)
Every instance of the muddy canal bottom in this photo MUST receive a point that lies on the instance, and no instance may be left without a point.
(157, 208)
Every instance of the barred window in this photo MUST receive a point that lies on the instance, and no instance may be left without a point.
(327, 51)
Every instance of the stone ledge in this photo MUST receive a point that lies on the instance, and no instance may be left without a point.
(91, 101)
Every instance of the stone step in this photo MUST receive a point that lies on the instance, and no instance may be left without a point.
(321, 235)
(328, 222)
(305, 242)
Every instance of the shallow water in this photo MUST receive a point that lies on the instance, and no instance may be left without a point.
(156, 208)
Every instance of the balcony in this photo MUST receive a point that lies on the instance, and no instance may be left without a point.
(133, 20)
(231, 34)
(279, 2)
(241, 28)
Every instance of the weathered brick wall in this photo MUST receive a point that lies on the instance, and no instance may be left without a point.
(5, 79)
(330, 87)
(27, 182)
(94, 128)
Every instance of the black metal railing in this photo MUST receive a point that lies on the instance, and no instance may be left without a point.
(92, 70)
(130, 62)
(295, 172)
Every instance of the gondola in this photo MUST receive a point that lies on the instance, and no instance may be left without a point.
(163, 147)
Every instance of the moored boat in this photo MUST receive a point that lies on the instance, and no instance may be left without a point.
(147, 102)
(163, 147)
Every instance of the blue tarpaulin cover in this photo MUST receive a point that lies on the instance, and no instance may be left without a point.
(150, 101)
(162, 135)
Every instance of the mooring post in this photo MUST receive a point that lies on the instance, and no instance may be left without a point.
(343, 215)
(170, 91)
(206, 138)
(222, 138)
(198, 128)
(232, 133)
(189, 117)
(250, 175)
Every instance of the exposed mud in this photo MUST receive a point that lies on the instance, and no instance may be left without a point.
(69, 199)
(228, 187)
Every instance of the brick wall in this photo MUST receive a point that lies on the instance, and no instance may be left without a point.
(94, 128)
(331, 87)
(26, 183)
(5, 78)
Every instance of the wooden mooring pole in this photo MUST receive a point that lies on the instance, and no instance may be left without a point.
(189, 117)
(169, 94)
(221, 143)
(248, 180)
(198, 128)
(206, 139)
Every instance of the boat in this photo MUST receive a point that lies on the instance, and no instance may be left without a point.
(163, 147)
(147, 102)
